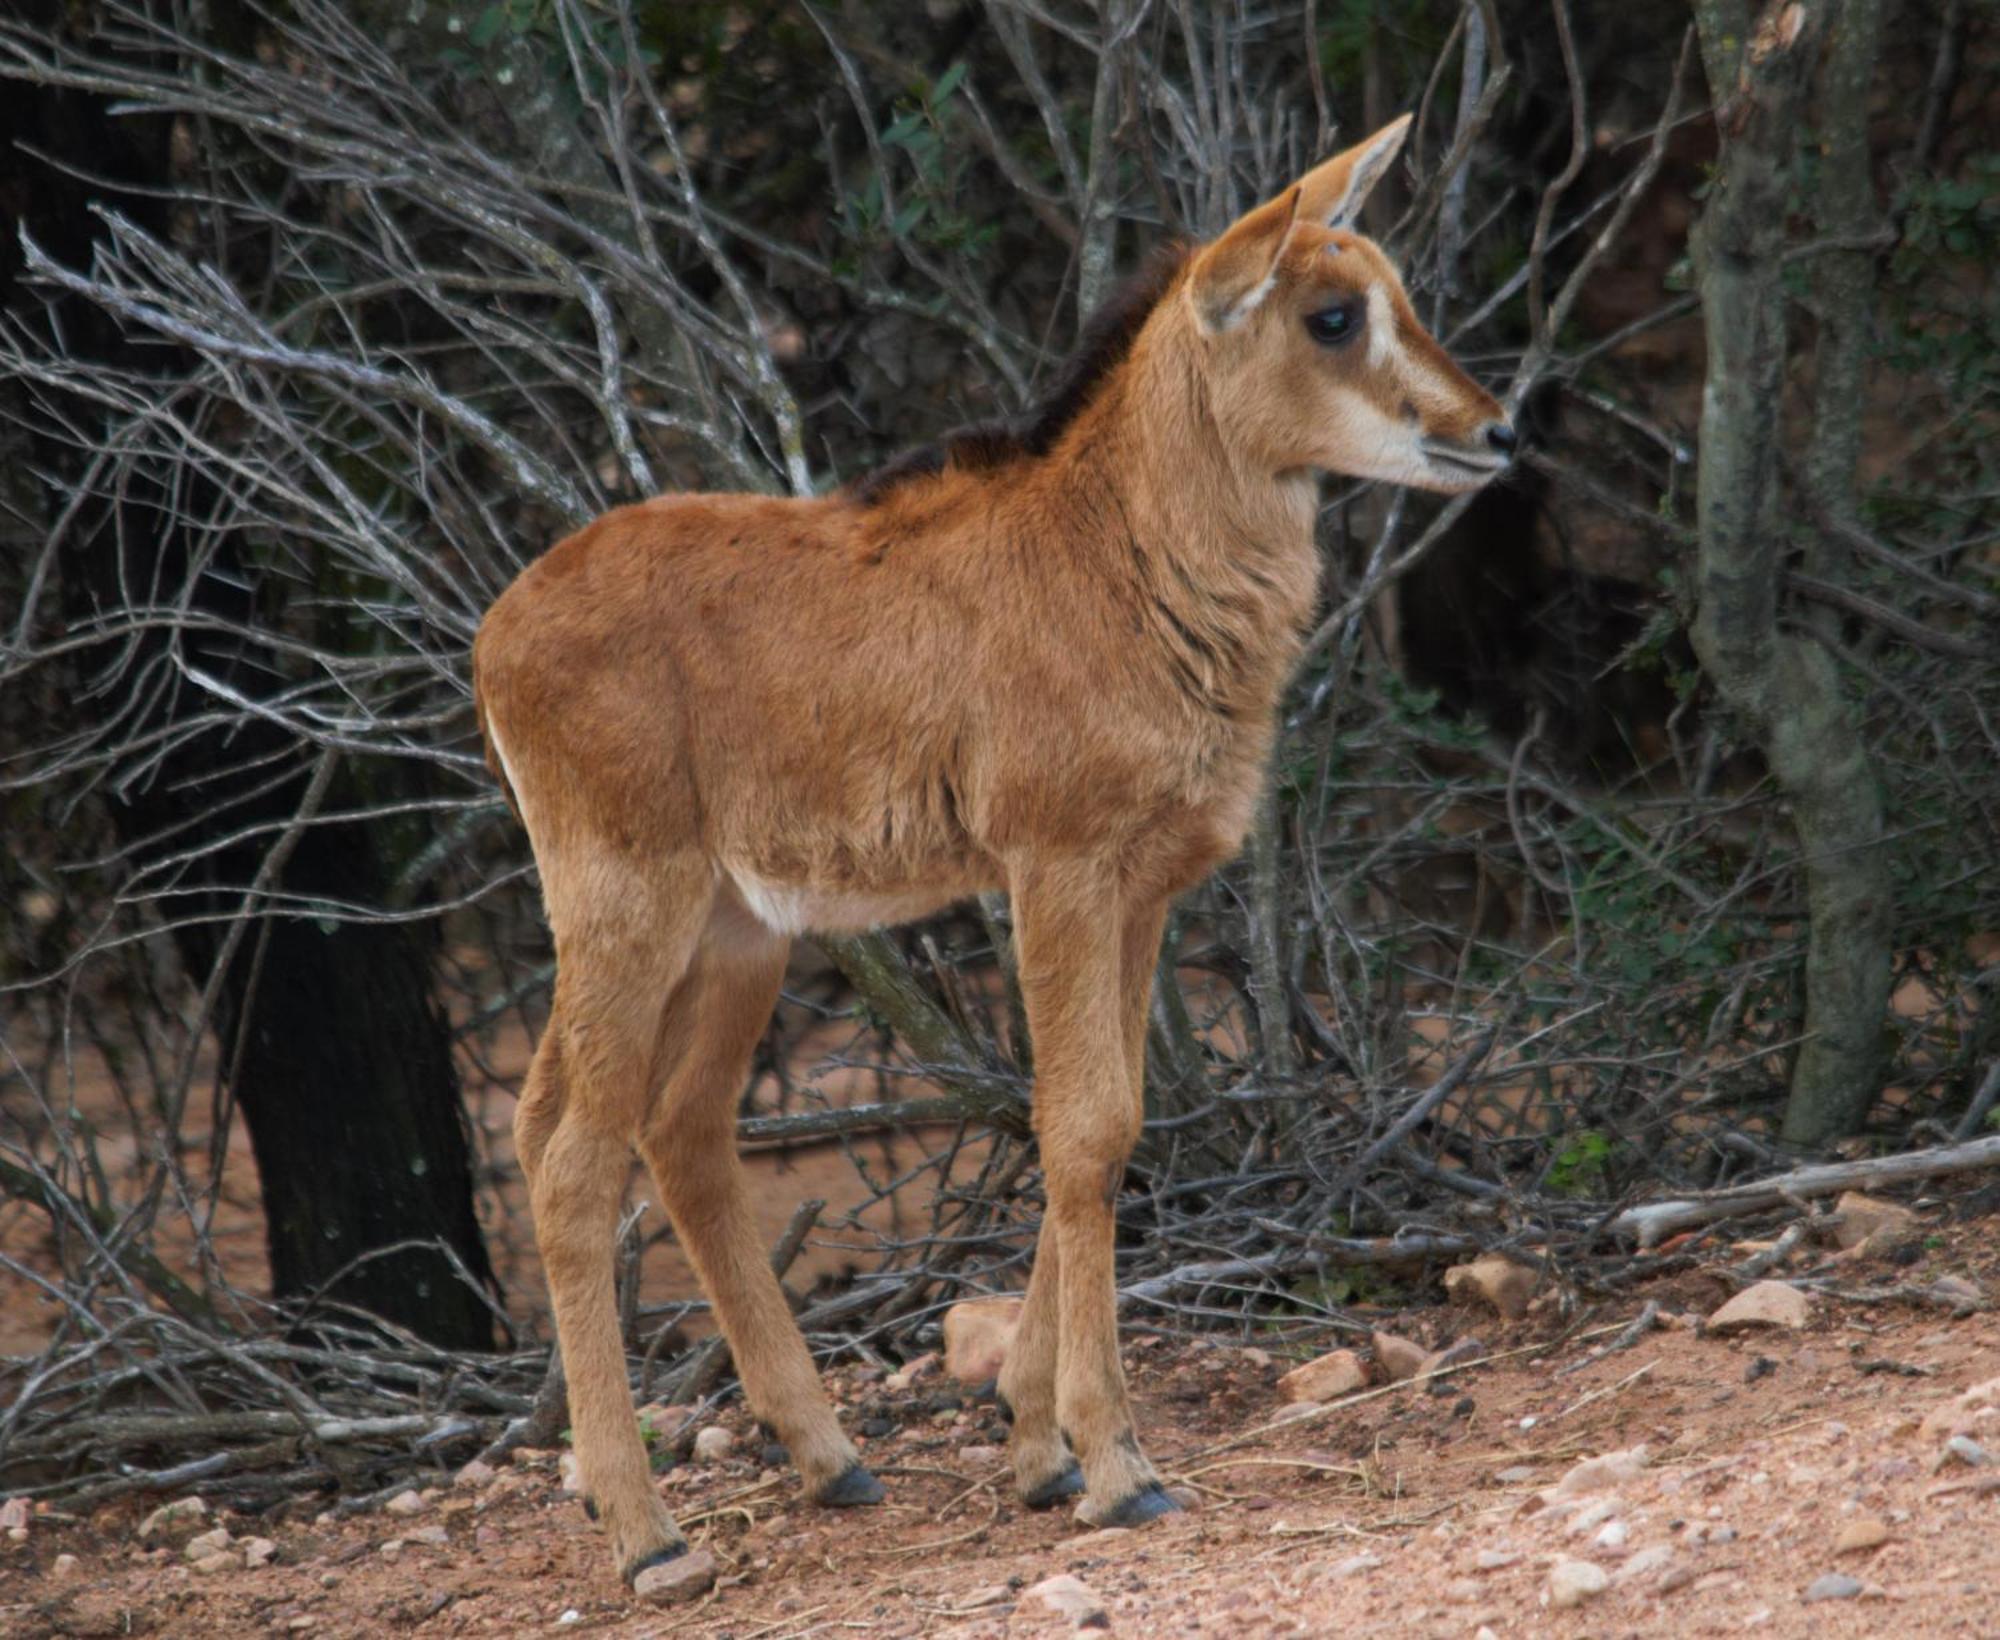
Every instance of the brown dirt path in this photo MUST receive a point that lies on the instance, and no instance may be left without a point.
(1410, 1514)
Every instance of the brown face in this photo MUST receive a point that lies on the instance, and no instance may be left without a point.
(1374, 394)
(1316, 359)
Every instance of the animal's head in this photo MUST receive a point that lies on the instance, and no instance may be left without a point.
(1313, 355)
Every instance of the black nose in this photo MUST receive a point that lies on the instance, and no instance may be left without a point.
(1501, 436)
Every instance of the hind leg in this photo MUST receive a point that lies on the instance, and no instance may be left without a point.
(618, 957)
(689, 1143)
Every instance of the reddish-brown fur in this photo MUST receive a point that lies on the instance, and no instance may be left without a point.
(1045, 662)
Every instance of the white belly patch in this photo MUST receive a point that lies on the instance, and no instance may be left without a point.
(797, 908)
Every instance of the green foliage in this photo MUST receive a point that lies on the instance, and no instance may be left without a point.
(1583, 1166)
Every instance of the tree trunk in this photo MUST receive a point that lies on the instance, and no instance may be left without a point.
(1782, 685)
(329, 1034)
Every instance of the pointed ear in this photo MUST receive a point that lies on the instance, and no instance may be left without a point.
(1235, 273)
(1334, 193)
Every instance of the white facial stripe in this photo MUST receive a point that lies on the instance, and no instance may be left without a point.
(1383, 345)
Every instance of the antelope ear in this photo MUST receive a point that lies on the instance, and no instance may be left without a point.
(1237, 272)
(1333, 193)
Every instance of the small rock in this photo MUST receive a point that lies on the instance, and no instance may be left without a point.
(1592, 1515)
(1069, 1596)
(977, 1336)
(208, 1543)
(65, 1568)
(1399, 1358)
(1863, 1532)
(14, 1514)
(1967, 1451)
(978, 1457)
(1514, 1474)
(1494, 1281)
(685, 1577)
(1958, 1417)
(437, 1537)
(1859, 1220)
(1600, 1474)
(1465, 1353)
(1957, 1294)
(1612, 1535)
(925, 1366)
(1354, 1565)
(713, 1444)
(571, 1472)
(1333, 1375)
(474, 1474)
(1491, 1560)
(177, 1513)
(1644, 1562)
(221, 1561)
(407, 1502)
(259, 1551)
(1767, 1304)
(1572, 1582)
(1833, 1586)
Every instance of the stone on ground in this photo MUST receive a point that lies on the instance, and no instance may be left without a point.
(181, 1512)
(1767, 1304)
(65, 1567)
(1492, 1281)
(977, 1337)
(1572, 1582)
(685, 1577)
(1071, 1597)
(925, 1366)
(1863, 1532)
(1326, 1379)
(406, 1502)
(1606, 1472)
(1399, 1358)
(474, 1474)
(713, 1444)
(1834, 1586)
(208, 1543)
(1872, 1224)
(1960, 1416)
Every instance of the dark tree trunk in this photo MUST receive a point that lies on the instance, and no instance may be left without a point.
(329, 1033)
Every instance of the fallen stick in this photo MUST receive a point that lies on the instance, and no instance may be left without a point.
(1652, 1222)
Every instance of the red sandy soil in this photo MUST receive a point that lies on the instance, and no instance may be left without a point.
(1395, 1515)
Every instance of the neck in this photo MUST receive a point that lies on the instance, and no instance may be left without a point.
(1218, 555)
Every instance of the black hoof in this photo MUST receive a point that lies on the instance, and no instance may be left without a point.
(659, 1557)
(1150, 1502)
(590, 1507)
(851, 1488)
(1066, 1482)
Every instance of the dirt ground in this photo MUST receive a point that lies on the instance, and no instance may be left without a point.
(1416, 1511)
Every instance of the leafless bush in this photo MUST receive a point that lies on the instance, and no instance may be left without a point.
(427, 300)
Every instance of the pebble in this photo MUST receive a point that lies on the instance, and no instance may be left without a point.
(171, 1514)
(1069, 1596)
(259, 1551)
(1612, 1535)
(1354, 1565)
(1491, 1560)
(1767, 1304)
(1600, 1474)
(713, 1444)
(66, 1566)
(1572, 1582)
(474, 1474)
(683, 1578)
(1967, 1451)
(1326, 1379)
(208, 1543)
(1866, 1532)
(980, 1455)
(571, 1472)
(1644, 1562)
(407, 1502)
(14, 1514)
(1492, 1280)
(436, 1536)
(221, 1561)
(1514, 1474)
(1398, 1357)
(1833, 1586)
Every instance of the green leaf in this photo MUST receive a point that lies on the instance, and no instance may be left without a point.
(948, 82)
(487, 29)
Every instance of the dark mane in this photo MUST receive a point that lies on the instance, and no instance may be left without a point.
(1106, 340)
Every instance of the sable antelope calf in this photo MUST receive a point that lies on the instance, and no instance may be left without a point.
(1044, 659)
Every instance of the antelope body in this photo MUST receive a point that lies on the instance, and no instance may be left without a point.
(1046, 662)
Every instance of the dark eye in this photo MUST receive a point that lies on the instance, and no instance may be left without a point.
(1334, 324)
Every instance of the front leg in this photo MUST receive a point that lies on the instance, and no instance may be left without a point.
(1070, 929)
